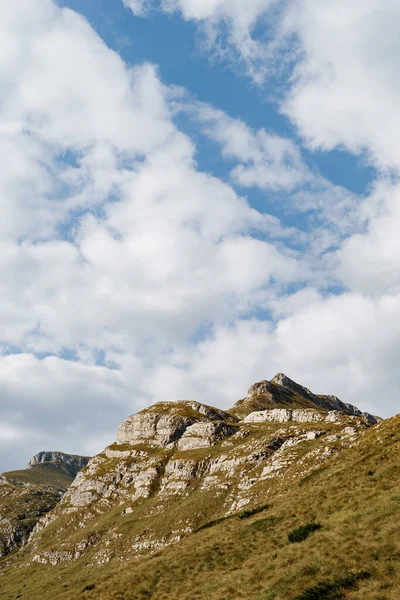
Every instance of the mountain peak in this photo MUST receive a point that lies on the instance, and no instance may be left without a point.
(283, 392)
(282, 379)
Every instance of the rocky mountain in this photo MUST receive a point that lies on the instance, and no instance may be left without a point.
(172, 454)
(195, 502)
(69, 464)
(28, 494)
(283, 392)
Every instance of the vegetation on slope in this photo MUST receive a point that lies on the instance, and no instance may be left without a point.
(46, 475)
(354, 555)
(25, 496)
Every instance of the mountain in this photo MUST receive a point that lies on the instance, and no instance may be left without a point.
(28, 494)
(283, 392)
(289, 495)
(58, 463)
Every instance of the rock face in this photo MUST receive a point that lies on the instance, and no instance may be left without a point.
(29, 494)
(70, 464)
(166, 422)
(284, 392)
(283, 415)
(177, 465)
(204, 435)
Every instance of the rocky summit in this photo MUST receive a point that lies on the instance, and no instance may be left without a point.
(185, 475)
(284, 392)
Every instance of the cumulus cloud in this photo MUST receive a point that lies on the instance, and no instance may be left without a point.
(70, 113)
(163, 250)
(114, 244)
(345, 88)
(57, 404)
(368, 261)
(345, 345)
(152, 277)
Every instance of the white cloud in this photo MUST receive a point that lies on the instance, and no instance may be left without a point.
(158, 253)
(345, 87)
(66, 95)
(116, 249)
(53, 404)
(368, 262)
(265, 160)
(274, 165)
(346, 345)
(114, 244)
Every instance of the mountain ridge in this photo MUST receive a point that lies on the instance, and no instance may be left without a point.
(285, 392)
(229, 485)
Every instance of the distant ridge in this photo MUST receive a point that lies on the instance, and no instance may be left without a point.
(28, 494)
(70, 464)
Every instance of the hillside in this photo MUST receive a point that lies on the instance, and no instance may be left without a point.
(193, 502)
(26, 495)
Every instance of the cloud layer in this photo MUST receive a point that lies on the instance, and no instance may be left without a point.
(129, 275)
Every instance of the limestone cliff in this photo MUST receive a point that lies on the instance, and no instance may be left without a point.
(70, 464)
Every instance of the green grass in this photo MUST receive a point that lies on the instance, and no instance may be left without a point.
(45, 475)
(249, 558)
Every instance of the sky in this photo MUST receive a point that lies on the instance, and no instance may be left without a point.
(195, 195)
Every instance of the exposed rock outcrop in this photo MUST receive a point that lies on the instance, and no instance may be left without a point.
(284, 415)
(177, 465)
(284, 392)
(204, 435)
(166, 422)
(70, 464)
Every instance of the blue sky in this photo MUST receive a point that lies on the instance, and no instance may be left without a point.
(195, 194)
(175, 47)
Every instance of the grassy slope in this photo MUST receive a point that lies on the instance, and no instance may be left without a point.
(157, 517)
(45, 475)
(356, 499)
